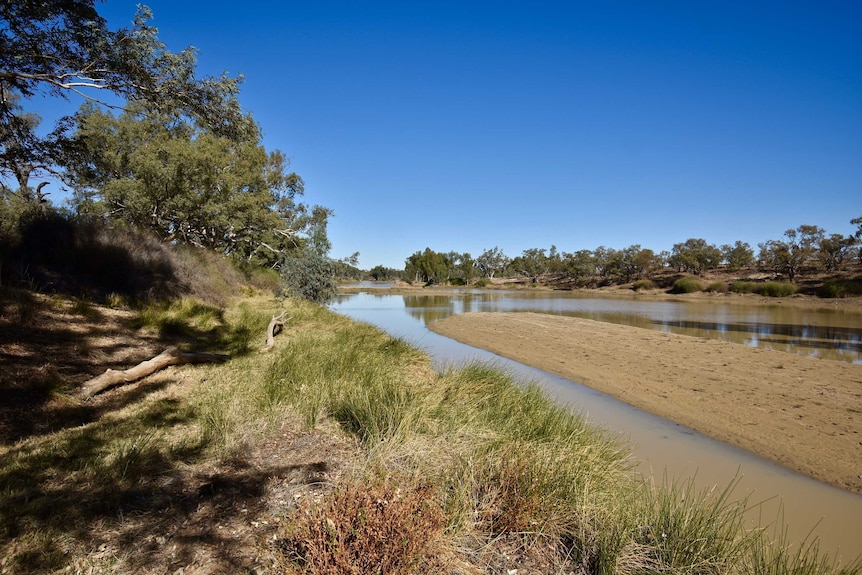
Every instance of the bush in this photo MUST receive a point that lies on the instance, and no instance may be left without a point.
(686, 285)
(310, 276)
(643, 285)
(743, 287)
(482, 282)
(717, 287)
(377, 527)
(768, 289)
(776, 289)
(840, 288)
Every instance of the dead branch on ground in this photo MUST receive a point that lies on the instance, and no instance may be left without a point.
(171, 356)
(277, 322)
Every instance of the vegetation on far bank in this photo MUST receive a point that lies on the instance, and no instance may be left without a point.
(806, 259)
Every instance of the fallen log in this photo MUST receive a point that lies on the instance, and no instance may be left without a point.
(276, 322)
(113, 377)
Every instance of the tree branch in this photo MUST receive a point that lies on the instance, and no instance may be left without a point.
(113, 378)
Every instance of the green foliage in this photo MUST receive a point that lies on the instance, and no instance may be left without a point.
(482, 282)
(186, 183)
(768, 289)
(491, 262)
(686, 285)
(689, 531)
(737, 256)
(775, 289)
(640, 285)
(793, 254)
(310, 275)
(694, 256)
(840, 288)
(717, 287)
(741, 286)
(78, 52)
(429, 267)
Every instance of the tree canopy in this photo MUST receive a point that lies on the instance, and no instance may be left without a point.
(61, 47)
(186, 183)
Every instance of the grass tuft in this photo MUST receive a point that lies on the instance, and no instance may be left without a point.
(686, 285)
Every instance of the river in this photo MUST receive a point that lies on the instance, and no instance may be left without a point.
(662, 448)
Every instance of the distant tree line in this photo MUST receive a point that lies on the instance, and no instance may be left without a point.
(801, 251)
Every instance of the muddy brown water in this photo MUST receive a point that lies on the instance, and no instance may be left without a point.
(663, 449)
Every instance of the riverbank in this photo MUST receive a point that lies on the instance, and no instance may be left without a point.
(801, 412)
(335, 447)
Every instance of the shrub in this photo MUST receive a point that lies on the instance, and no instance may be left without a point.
(776, 289)
(717, 287)
(686, 285)
(378, 528)
(740, 286)
(643, 285)
(310, 276)
(482, 282)
(840, 288)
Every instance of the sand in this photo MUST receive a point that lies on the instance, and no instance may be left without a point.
(804, 413)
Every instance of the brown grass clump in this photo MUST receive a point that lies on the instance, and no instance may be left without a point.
(384, 526)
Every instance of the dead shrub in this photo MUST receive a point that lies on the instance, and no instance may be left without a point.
(510, 498)
(375, 527)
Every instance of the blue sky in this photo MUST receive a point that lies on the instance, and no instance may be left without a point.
(468, 125)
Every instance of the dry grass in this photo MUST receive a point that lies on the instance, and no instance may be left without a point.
(380, 525)
(340, 451)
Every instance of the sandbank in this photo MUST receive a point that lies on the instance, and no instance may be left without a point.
(804, 413)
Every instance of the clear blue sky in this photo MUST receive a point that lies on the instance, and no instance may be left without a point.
(467, 125)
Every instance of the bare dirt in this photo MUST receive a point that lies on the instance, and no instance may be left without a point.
(804, 413)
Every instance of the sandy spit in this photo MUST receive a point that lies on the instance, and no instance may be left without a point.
(804, 413)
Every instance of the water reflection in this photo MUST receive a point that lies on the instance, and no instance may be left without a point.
(834, 334)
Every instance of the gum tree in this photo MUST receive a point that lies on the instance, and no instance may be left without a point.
(60, 48)
(185, 182)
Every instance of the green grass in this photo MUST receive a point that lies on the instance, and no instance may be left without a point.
(643, 285)
(840, 288)
(775, 289)
(465, 457)
(741, 286)
(768, 289)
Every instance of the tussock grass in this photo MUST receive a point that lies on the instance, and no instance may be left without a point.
(839, 288)
(768, 289)
(644, 284)
(686, 285)
(456, 461)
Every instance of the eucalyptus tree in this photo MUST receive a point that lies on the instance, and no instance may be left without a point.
(427, 266)
(858, 236)
(794, 253)
(737, 256)
(834, 250)
(579, 266)
(57, 48)
(185, 182)
(532, 263)
(492, 262)
(694, 255)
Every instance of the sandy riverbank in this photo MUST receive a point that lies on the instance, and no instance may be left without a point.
(804, 413)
